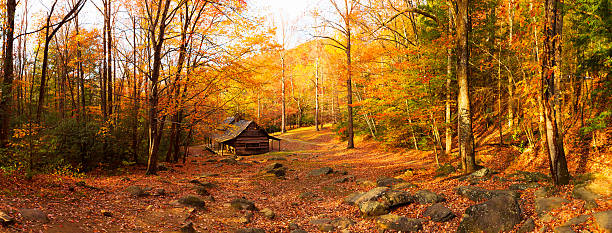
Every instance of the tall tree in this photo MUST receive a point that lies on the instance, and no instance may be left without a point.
(551, 76)
(464, 115)
(7, 68)
(345, 30)
(50, 31)
(157, 15)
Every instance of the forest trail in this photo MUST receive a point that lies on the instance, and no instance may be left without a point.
(306, 193)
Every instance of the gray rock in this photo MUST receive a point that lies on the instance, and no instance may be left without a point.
(394, 198)
(498, 214)
(439, 213)
(250, 230)
(268, 213)
(273, 166)
(192, 201)
(201, 191)
(563, 229)
(481, 173)
(34, 215)
(5, 219)
(425, 197)
(545, 205)
(246, 219)
(404, 185)
(477, 194)
(576, 220)
(278, 172)
(352, 198)
(243, 204)
(135, 191)
(187, 228)
(528, 226)
(323, 224)
(584, 194)
(159, 192)
(603, 220)
(342, 222)
(321, 171)
(204, 184)
(385, 181)
(399, 223)
(373, 194)
(344, 179)
(373, 208)
(523, 186)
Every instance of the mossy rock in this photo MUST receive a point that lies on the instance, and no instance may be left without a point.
(445, 170)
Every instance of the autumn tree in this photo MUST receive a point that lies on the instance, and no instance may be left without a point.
(551, 76)
(7, 68)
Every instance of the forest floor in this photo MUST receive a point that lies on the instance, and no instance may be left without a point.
(102, 202)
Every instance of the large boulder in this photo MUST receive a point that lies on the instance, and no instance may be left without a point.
(193, 201)
(439, 213)
(499, 214)
(243, 204)
(373, 208)
(528, 226)
(135, 191)
(373, 194)
(583, 193)
(34, 215)
(276, 169)
(385, 181)
(352, 198)
(483, 172)
(477, 194)
(603, 220)
(545, 205)
(321, 171)
(426, 197)
(399, 223)
(393, 198)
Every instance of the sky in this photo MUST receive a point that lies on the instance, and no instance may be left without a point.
(296, 13)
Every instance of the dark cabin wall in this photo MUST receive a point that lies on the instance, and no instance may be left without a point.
(253, 140)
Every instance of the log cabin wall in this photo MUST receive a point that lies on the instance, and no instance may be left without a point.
(253, 140)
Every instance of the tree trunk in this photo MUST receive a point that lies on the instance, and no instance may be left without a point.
(553, 24)
(155, 125)
(349, 84)
(7, 68)
(283, 110)
(449, 133)
(466, 137)
(317, 95)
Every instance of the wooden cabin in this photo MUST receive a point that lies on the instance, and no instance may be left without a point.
(244, 137)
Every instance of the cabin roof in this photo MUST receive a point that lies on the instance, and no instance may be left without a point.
(233, 128)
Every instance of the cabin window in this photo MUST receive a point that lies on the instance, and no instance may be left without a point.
(252, 145)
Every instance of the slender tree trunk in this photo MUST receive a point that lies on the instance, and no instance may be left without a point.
(7, 68)
(551, 63)
(448, 133)
(317, 94)
(466, 137)
(510, 78)
(155, 125)
(283, 110)
(349, 84)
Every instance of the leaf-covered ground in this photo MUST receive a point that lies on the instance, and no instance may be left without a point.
(296, 198)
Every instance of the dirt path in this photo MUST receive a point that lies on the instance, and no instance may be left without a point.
(296, 197)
